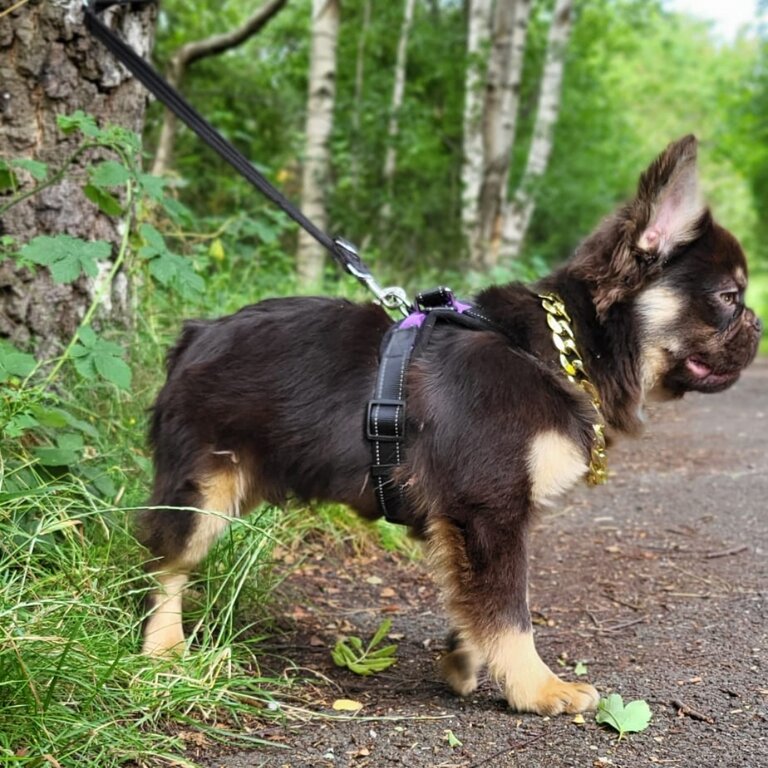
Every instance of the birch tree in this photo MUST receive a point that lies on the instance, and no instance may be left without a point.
(518, 213)
(310, 258)
(393, 128)
(502, 95)
(200, 49)
(478, 36)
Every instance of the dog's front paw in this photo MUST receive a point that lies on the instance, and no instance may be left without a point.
(552, 697)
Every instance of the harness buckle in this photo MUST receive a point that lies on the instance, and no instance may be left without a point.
(436, 299)
(391, 421)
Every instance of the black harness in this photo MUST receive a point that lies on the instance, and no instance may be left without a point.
(386, 417)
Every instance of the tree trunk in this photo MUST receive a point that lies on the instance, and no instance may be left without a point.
(357, 104)
(393, 129)
(502, 96)
(478, 35)
(518, 213)
(315, 174)
(50, 65)
(200, 49)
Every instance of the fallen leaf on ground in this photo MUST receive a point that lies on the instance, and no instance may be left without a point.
(630, 718)
(347, 705)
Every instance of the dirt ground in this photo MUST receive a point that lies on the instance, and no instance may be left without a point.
(657, 581)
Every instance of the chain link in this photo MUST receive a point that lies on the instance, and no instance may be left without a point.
(559, 323)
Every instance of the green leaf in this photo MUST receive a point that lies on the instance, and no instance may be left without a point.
(19, 424)
(580, 668)
(362, 660)
(381, 633)
(68, 449)
(110, 173)
(152, 186)
(66, 257)
(49, 417)
(452, 739)
(38, 171)
(8, 179)
(267, 233)
(114, 369)
(176, 210)
(169, 268)
(154, 244)
(78, 121)
(94, 356)
(14, 363)
(632, 718)
(107, 203)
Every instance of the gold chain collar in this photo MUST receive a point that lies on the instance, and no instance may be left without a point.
(570, 360)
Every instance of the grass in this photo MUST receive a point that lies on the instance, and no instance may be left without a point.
(73, 689)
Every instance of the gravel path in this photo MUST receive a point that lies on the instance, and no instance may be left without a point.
(657, 581)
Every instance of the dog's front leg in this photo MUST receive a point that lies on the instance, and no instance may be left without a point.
(484, 577)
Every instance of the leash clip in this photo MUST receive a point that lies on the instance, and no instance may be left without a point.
(392, 297)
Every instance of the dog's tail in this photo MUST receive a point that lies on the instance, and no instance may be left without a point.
(174, 443)
(189, 332)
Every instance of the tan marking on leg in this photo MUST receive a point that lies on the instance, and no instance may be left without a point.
(163, 633)
(223, 496)
(529, 684)
(555, 463)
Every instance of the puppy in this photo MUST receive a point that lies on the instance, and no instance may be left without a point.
(270, 403)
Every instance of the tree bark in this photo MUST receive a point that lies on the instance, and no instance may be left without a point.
(310, 258)
(502, 96)
(478, 36)
(518, 213)
(200, 49)
(398, 91)
(50, 65)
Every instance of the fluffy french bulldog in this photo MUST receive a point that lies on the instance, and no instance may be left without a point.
(270, 403)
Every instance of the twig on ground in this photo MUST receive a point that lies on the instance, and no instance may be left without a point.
(621, 602)
(683, 710)
(726, 552)
(512, 747)
(622, 625)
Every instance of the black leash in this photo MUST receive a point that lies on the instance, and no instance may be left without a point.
(386, 417)
(344, 252)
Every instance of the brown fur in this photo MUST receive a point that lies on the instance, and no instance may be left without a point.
(269, 403)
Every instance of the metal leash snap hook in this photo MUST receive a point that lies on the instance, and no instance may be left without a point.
(395, 297)
(392, 297)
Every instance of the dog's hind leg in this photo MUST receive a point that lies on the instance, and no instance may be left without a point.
(178, 538)
(460, 665)
(484, 578)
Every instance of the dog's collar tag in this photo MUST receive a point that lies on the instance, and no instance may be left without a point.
(559, 323)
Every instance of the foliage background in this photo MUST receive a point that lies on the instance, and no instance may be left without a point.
(637, 76)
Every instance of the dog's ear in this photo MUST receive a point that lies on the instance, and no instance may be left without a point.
(669, 200)
(631, 248)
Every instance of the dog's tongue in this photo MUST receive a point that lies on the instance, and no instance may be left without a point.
(697, 368)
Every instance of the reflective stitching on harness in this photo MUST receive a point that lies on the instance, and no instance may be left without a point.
(384, 426)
